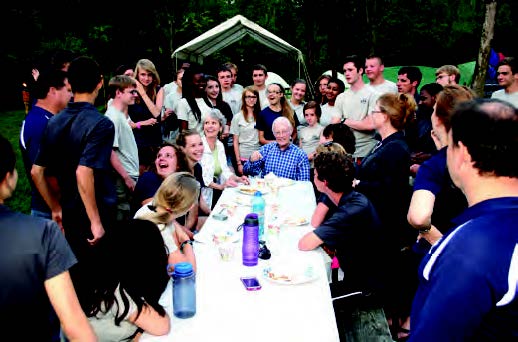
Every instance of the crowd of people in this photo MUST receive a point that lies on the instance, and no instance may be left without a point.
(417, 194)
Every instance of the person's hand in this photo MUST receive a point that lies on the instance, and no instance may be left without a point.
(255, 156)
(140, 88)
(97, 232)
(167, 113)
(148, 122)
(130, 183)
(414, 168)
(231, 182)
(225, 133)
(57, 216)
(244, 179)
(355, 182)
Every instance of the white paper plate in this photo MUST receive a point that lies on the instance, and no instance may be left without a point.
(250, 190)
(223, 236)
(295, 221)
(288, 275)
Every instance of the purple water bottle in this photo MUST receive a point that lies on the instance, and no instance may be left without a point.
(251, 240)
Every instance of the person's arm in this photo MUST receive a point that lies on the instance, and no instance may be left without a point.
(319, 214)
(44, 188)
(366, 124)
(153, 108)
(309, 242)
(303, 169)
(192, 219)
(85, 184)
(150, 321)
(262, 140)
(185, 255)
(117, 165)
(235, 142)
(254, 165)
(63, 298)
(420, 214)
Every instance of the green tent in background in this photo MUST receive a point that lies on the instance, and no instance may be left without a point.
(466, 73)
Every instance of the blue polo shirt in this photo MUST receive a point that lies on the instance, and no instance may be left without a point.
(290, 163)
(469, 281)
(32, 130)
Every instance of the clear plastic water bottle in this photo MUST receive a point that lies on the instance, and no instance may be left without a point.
(251, 240)
(184, 290)
(258, 207)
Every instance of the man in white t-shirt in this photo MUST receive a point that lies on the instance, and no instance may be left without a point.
(507, 76)
(259, 76)
(230, 95)
(357, 103)
(374, 70)
(233, 70)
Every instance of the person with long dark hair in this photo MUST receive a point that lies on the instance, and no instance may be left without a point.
(132, 277)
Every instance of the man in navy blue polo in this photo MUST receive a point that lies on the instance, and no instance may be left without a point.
(469, 281)
(52, 93)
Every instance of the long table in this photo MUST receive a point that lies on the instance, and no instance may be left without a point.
(226, 311)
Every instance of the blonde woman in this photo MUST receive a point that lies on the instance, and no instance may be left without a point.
(145, 113)
(246, 136)
(177, 194)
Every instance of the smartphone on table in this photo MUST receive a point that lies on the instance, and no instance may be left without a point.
(251, 283)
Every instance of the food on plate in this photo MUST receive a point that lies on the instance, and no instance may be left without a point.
(296, 221)
(251, 190)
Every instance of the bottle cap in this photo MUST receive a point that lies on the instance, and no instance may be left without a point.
(251, 219)
(258, 193)
(183, 269)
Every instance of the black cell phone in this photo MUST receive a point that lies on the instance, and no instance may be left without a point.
(251, 283)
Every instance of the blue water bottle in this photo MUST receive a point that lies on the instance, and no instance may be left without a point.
(258, 207)
(184, 290)
(250, 240)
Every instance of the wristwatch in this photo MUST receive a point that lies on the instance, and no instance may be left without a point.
(425, 230)
(185, 243)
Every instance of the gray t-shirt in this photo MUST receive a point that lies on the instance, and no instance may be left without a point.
(124, 142)
(356, 105)
(248, 135)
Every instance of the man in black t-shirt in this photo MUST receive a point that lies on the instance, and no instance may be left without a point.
(354, 231)
(76, 149)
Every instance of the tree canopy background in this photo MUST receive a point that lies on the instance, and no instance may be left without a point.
(403, 32)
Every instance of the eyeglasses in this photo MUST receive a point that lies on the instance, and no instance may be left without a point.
(377, 111)
(248, 97)
(274, 92)
(328, 143)
(281, 133)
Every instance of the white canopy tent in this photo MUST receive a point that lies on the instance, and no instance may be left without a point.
(228, 33)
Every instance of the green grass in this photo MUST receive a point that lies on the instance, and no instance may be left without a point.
(10, 124)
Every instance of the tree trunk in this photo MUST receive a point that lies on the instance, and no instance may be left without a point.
(485, 48)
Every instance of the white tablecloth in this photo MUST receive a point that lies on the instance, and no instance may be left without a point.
(226, 311)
